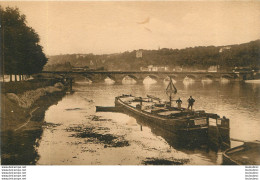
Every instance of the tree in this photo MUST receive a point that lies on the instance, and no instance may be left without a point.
(21, 52)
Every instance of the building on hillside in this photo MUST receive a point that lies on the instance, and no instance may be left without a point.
(242, 69)
(199, 70)
(139, 54)
(177, 69)
(77, 69)
(152, 68)
(85, 68)
(144, 69)
(155, 68)
(213, 69)
(80, 56)
(163, 68)
(224, 48)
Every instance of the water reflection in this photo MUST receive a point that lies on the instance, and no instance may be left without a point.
(237, 101)
(224, 81)
(85, 81)
(61, 145)
(18, 148)
(21, 147)
(206, 81)
(109, 81)
(255, 81)
(128, 80)
(188, 81)
(149, 80)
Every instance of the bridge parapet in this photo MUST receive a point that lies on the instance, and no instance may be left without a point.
(139, 76)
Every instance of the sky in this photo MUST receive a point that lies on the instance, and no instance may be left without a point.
(114, 27)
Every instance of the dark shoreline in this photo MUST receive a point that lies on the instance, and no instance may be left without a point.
(18, 145)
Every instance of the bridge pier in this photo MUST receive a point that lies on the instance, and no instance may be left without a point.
(139, 81)
(245, 76)
(139, 76)
(95, 78)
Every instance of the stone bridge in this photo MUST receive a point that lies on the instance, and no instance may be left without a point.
(139, 76)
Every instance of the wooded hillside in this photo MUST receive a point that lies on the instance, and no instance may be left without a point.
(227, 57)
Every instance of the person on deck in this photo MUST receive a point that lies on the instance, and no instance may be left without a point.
(179, 102)
(190, 102)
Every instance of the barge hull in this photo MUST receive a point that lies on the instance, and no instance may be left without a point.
(181, 133)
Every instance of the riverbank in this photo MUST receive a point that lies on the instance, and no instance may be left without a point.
(22, 116)
(18, 109)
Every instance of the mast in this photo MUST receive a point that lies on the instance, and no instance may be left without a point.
(170, 90)
(170, 100)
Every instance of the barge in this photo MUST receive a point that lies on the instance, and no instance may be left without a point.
(170, 118)
(246, 154)
(183, 123)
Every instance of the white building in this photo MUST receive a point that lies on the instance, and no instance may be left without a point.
(80, 56)
(144, 69)
(177, 69)
(213, 69)
(155, 68)
(139, 54)
(224, 48)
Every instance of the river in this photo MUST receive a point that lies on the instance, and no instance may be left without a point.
(77, 135)
(74, 134)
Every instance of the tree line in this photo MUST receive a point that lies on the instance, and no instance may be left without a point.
(202, 57)
(21, 53)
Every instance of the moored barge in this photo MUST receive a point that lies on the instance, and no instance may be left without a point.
(169, 118)
(246, 154)
(184, 123)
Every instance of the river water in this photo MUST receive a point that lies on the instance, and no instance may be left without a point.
(77, 135)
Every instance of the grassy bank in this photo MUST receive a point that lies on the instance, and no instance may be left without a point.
(18, 144)
(28, 103)
(23, 86)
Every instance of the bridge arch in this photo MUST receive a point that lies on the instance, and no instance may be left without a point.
(152, 76)
(191, 76)
(83, 78)
(150, 79)
(129, 79)
(131, 76)
(245, 76)
(208, 77)
(173, 76)
(167, 78)
(90, 77)
(110, 76)
(226, 76)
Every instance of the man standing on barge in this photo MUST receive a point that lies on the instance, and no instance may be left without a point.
(191, 102)
(179, 102)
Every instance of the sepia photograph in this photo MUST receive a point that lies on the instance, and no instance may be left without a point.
(130, 83)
